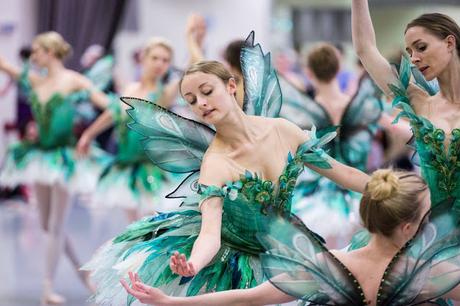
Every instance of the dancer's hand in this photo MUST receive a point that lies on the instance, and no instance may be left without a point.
(3, 63)
(31, 133)
(181, 266)
(83, 145)
(145, 294)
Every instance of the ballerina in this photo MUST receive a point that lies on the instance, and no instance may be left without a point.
(402, 265)
(131, 181)
(433, 44)
(49, 162)
(246, 170)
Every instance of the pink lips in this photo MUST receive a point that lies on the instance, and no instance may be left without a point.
(206, 113)
(423, 69)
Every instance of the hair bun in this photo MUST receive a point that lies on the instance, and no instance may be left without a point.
(383, 185)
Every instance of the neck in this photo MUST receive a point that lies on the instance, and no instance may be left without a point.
(54, 68)
(328, 89)
(449, 81)
(385, 246)
(148, 81)
(235, 129)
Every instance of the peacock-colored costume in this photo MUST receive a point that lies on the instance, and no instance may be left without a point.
(317, 198)
(130, 180)
(177, 144)
(424, 269)
(439, 162)
(51, 158)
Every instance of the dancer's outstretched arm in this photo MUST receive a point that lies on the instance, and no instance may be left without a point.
(206, 245)
(15, 72)
(365, 46)
(97, 97)
(263, 294)
(346, 176)
(103, 122)
(213, 172)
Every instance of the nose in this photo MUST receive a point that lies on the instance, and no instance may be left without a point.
(202, 101)
(415, 58)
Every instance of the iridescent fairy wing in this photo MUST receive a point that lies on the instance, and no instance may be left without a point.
(359, 122)
(173, 143)
(428, 266)
(298, 263)
(101, 72)
(301, 109)
(189, 184)
(262, 93)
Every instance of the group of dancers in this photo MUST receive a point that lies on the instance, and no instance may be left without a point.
(237, 238)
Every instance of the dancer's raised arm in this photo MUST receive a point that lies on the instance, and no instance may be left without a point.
(365, 46)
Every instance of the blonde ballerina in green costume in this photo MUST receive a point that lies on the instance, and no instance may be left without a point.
(49, 163)
(249, 166)
(433, 44)
(131, 181)
(402, 265)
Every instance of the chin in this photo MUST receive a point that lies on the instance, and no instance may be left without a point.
(213, 120)
(429, 77)
(210, 121)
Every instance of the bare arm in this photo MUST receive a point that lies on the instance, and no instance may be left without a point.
(169, 94)
(97, 97)
(103, 122)
(454, 294)
(214, 172)
(345, 176)
(207, 244)
(401, 128)
(263, 294)
(449, 269)
(365, 46)
(15, 72)
(193, 45)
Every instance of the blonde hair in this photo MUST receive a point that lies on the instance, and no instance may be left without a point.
(323, 61)
(209, 67)
(157, 42)
(391, 198)
(53, 41)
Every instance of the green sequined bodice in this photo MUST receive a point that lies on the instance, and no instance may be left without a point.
(249, 201)
(440, 165)
(55, 120)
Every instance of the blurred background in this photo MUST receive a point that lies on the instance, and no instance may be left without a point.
(286, 28)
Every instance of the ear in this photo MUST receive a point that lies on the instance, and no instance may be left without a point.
(231, 86)
(311, 76)
(451, 42)
(142, 56)
(406, 228)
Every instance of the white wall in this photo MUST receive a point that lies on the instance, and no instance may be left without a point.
(17, 28)
(228, 20)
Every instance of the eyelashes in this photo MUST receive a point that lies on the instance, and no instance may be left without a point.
(206, 93)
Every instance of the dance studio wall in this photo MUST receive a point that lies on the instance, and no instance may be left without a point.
(227, 20)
